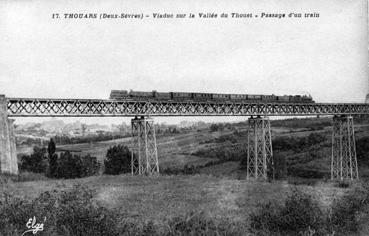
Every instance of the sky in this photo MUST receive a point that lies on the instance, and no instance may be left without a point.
(326, 57)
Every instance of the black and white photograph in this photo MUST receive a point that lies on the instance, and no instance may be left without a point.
(176, 118)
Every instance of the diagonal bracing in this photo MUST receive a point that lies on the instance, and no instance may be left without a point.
(144, 159)
(259, 149)
(343, 161)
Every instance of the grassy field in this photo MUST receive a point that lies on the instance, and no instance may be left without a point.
(157, 198)
(177, 150)
(173, 151)
(220, 189)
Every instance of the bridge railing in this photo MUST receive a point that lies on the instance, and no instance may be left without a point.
(94, 107)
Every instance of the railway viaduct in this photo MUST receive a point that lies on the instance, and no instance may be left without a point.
(259, 144)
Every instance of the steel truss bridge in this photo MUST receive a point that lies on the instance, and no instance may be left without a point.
(144, 158)
(18, 107)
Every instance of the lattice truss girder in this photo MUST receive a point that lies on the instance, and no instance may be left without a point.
(343, 161)
(259, 149)
(144, 158)
(90, 107)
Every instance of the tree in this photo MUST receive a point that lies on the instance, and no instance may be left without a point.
(216, 127)
(36, 162)
(118, 160)
(69, 166)
(362, 148)
(84, 128)
(53, 158)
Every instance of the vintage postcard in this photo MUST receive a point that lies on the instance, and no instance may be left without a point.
(169, 117)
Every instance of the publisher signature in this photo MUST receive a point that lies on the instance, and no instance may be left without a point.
(33, 226)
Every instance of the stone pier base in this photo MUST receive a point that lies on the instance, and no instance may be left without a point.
(8, 153)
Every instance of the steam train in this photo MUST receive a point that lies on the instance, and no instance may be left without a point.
(182, 96)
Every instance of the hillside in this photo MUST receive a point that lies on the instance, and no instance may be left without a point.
(163, 197)
(293, 142)
(203, 185)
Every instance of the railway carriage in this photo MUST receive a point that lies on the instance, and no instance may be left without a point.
(268, 98)
(218, 96)
(118, 94)
(162, 96)
(254, 98)
(183, 96)
(202, 96)
(141, 94)
(238, 97)
(284, 98)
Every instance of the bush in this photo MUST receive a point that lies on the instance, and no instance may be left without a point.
(362, 148)
(199, 223)
(227, 138)
(303, 181)
(298, 123)
(26, 176)
(90, 166)
(65, 212)
(216, 127)
(297, 144)
(74, 212)
(74, 166)
(300, 171)
(280, 166)
(118, 160)
(36, 162)
(342, 184)
(300, 213)
(69, 166)
(345, 215)
(187, 170)
(223, 153)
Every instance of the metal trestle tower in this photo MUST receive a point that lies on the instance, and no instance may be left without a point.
(343, 162)
(144, 158)
(259, 149)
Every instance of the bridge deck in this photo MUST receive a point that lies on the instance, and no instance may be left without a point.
(18, 107)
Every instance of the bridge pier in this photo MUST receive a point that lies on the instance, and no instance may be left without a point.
(259, 149)
(344, 161)
(8, 154)
(144, 159)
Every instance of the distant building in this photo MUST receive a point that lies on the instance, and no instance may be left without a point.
(367, 98)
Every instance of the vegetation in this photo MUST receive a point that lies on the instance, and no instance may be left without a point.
(36, 162)
(352, 209)
(216, 127)
(362, 147)
(64, 212)
(300, 213)
(118, 160)
(280, 166)
(199, 223)
(181, 205)
(187, 170)
(223, 153)
(64, 139)
(307, 123)
(61, 140)
(53, 158)
(73, 166)
(297, 144)
(66, 166)
(73, 212)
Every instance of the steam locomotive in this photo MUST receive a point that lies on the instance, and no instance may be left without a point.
(183, 96)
